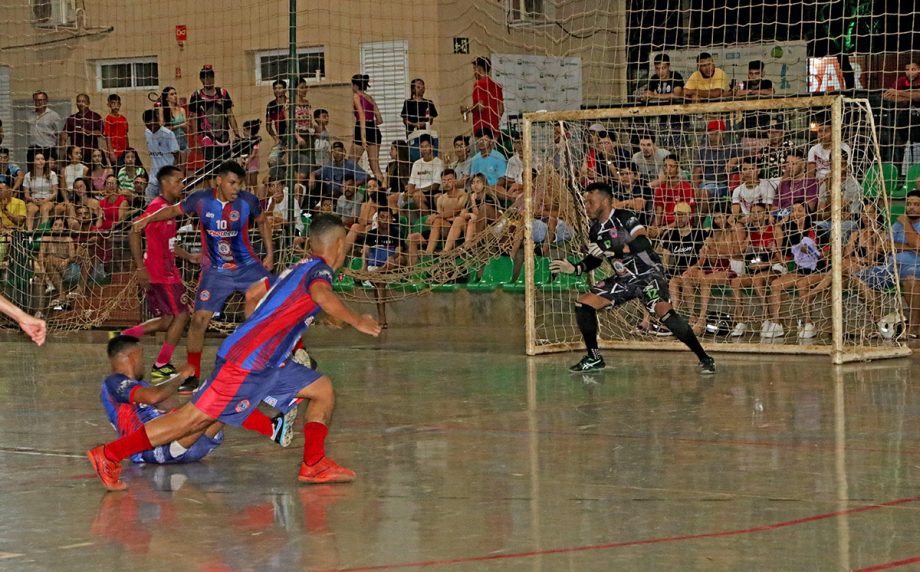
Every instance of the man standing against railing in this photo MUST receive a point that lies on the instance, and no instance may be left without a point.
(708, 82)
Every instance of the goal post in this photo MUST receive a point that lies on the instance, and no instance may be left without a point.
(835, 303)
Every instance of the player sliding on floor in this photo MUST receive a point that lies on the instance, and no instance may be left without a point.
(253, 364)
(617, 237)
(129, 402)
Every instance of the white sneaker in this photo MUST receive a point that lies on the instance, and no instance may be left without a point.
(764, 326)
(777, 331)
(807, 332)
(739, 330)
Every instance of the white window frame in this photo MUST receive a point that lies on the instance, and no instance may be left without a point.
(544, 19)
(257, 59)
(120, 61)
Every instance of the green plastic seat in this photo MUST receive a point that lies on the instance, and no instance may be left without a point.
(498, 271)
(910, 183)
(343, 283)
(566, 282)
(541, 276)
(896, 210)
(875, 175)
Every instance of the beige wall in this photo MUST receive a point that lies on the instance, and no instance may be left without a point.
(226, 34)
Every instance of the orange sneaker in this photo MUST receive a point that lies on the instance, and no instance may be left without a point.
(107, 471)
(325, 471)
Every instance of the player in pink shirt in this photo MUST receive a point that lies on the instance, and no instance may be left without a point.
(157, 271)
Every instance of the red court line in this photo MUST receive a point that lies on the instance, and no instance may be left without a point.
(644, 542)
(890, 565)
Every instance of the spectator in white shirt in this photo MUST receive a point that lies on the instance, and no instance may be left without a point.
(162, 147)
(752, 190)
(425, 179)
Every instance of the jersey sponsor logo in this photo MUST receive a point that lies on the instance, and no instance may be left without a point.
(205, 295)
(223, 248)
(234, 216)
(209, 215)
(222, 233)
(242, 406)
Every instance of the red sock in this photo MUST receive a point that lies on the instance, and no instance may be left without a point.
(128, 445)
(260, 423)
(298, 345)
(136, 331)
(194, 359)
(314, 447)
(166, 352)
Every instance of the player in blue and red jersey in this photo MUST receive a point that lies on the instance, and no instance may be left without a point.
(253, 365)
(130, 402)
(228, 262)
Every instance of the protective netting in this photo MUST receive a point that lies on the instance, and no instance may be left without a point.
(739, 203)
(545, 55)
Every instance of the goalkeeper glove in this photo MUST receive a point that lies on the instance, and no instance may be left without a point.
(564, 266)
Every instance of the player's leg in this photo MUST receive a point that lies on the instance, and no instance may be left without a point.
(653, 290)
(195, 341)
(316, 467)
(106, 459)
(601, 296)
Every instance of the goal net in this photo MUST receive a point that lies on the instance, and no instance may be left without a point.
(772, 219)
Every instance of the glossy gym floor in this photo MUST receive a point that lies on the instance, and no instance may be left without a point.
(471, 456)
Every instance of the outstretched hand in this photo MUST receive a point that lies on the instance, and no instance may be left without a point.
(34, 328)
(563, 266)
(368, 325)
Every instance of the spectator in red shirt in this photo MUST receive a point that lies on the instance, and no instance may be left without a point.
(116, 131)
(488, 99)
(905, 95)
(84, 128)
(671, 191)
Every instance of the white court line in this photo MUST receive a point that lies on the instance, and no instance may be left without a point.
(26, 451)
(5, 555)
(78, 545)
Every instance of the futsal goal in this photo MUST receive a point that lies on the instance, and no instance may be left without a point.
(830, 286)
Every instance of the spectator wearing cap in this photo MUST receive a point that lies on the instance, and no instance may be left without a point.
(905, 96)
(649, 159)
(44, 126)
(710, 163)
(754, 123)
(328, 179)
(488, 99)
(671, 191)
(708, 82)
(211, 117)
(83, 128)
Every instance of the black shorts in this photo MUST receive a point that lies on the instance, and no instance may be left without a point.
(651, 288)
(371, 131)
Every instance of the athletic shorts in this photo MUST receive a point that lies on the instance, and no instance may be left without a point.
(231, 393)
(371, 131)
(651, 288)
(166, 299)
(378, 256)
(215, 286)
(199, 450)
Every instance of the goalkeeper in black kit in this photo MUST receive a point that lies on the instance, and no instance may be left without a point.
(618, 237)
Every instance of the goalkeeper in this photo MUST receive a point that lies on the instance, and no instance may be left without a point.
(617, 237)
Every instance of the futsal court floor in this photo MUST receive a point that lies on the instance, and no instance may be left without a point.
(471, 456)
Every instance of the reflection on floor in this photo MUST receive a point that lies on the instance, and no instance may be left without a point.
(471, 456)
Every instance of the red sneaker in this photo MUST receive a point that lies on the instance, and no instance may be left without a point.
(107, 471)
(326, 471)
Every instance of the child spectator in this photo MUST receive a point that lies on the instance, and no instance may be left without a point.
(75, 168)
(115, 129)
(130, 170)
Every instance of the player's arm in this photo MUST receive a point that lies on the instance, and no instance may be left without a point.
(193, 257)
(165, 213)
(254, 295)
(325, 298)
(137, 254)
(34, 327)
(163, 391)
(265, 231)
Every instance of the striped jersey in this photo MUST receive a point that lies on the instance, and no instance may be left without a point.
(224, 228)
(268, 336)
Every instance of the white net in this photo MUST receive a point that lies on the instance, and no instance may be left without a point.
(545, 54)
(739, 200)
